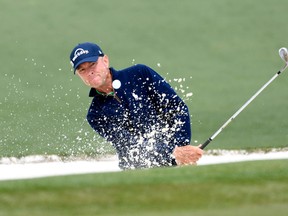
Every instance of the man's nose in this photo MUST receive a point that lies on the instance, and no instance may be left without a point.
(90, 70)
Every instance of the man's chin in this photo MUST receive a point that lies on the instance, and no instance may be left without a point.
(94, 85)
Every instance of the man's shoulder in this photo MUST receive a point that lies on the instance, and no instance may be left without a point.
(136, 73)
(136, 68)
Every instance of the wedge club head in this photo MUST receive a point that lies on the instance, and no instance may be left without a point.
(283, 52)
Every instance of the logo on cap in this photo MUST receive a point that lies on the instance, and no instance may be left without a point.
(78, 52)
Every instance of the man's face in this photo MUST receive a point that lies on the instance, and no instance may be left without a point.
(94, 74)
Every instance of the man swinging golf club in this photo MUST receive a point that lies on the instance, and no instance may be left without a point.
(136, 110)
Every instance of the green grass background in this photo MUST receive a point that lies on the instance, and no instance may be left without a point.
(248, 188)
(222, 50)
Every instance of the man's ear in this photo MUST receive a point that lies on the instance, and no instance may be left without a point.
(106, 60)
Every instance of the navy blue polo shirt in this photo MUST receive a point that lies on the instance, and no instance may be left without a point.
(144, 120)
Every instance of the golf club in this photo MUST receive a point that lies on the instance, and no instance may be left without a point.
(283, 52)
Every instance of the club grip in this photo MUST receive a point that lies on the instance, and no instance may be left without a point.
(205, 143)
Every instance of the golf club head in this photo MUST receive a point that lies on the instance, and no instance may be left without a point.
(283, 52)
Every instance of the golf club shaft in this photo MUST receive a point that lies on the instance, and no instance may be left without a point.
(242, 108)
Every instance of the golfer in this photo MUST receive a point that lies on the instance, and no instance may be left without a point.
(136, 110)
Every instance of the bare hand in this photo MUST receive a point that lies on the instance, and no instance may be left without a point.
(187, 155)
